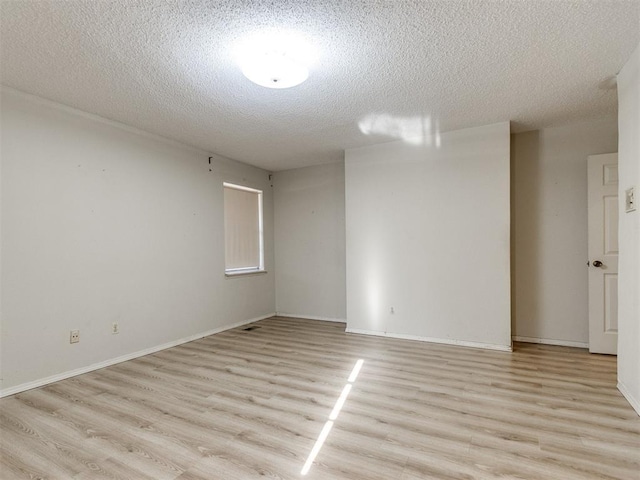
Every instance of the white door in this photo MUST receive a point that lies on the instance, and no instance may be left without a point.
(603, 253)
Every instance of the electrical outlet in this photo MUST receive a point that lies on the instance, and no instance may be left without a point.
(115, 328)
(392, 311)
(74, 337)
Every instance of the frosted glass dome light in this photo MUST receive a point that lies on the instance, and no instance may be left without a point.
(275, 70)
(275, 60)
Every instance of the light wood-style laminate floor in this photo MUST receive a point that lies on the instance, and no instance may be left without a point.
(251, 404)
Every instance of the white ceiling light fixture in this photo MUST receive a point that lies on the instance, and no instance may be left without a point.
(275, 59)
(275, 69)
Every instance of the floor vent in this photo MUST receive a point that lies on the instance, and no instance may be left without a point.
(248, 329)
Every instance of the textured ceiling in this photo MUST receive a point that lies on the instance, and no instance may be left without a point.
(386, 69)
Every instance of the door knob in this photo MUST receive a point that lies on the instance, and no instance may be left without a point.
(597, 263)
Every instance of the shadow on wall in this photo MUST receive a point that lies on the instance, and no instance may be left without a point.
(525, 228)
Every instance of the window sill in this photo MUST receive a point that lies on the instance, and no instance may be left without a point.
(244, 274)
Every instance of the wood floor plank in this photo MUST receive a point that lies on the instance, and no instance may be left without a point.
(250, 404)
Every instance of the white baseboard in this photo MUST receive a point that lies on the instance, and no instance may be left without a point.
(311, 317)
(549, 341)
(130, 356)
(446, 341)
(635, 403)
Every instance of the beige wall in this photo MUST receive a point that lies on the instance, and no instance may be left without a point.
(629, 262)
(549, 229)
(310, 242)
(102, 224)
(427, 226)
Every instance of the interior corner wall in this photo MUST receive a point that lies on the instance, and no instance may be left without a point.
(549, 226)
(629, 232)
(310, 242)
(427, 228)
(102, 223)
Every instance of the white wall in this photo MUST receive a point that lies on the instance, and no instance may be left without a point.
(629, 261)
(549, 227)
(310, 242)
(427, 231)
(102, 224)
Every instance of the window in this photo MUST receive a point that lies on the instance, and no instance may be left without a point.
(243, 239)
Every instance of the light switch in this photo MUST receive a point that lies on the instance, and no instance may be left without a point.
(629, 200)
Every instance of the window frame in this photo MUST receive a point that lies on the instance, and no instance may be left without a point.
(260, 268)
